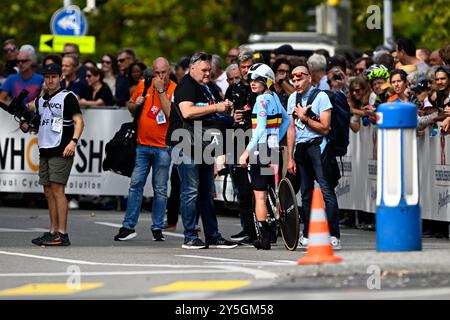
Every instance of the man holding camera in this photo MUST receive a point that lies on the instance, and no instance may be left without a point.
(196, 99)
(60, 128)
(243, 100)
(307, 149)
(152, 153)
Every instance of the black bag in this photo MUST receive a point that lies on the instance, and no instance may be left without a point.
(340, 120)
(121, 149)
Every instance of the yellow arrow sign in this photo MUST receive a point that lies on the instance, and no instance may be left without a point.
(55, 43)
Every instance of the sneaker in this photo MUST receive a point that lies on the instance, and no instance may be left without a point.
(45, 237)
(221, 243)
(303, 242)
(57, 239)
(336, 243)
(125, 234)
(158, 235)
(170, 227)
(194, 244)
(239, 236)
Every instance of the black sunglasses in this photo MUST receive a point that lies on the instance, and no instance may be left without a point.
(121, 60)
(201, 56)
(23, 61)
(9, 49)
(106, 61)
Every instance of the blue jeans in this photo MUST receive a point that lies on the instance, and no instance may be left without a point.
(309, 164)
(148, 157)
(197, 194)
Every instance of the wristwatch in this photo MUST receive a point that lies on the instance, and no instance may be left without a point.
(161, 91)
(75, 140)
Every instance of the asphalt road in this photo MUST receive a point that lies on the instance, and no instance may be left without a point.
(96, 267)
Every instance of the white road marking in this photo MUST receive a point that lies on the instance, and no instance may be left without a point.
(112, 273)
(116, 225)
(173, 234)
(242, 261)
(109, 224)
(225, 263)
(23, 230)
(287, 261)
(259, 274)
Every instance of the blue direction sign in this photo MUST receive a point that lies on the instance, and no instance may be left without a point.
(69, 21)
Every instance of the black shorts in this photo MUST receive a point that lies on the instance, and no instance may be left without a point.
(261, 177)
(261, 174)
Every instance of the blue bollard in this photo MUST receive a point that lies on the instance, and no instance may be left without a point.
(398, 219)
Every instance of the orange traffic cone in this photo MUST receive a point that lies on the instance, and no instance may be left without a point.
(320, 249)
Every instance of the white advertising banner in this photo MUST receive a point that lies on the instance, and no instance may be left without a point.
(19, 157)
(19, 164)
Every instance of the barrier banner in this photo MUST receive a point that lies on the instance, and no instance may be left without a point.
(19, 165)
(19, 157)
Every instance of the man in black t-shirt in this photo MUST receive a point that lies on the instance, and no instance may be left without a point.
(243, 100)
(195, 101)
(60, 127)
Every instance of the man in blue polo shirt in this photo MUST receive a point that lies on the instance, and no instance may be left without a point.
(25, 79)
(307, 148)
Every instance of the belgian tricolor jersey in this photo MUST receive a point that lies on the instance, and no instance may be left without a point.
(268, 118)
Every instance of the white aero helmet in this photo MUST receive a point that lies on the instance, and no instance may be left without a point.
(262, 73)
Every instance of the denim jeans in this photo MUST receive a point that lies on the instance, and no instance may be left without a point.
(309, 163)
(148, 157)
(197, 194)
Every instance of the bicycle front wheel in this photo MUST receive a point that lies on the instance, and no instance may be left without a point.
(289, 218)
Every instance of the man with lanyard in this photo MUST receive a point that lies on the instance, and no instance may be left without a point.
(308, 136)
(61, 125)
(151, 151)
(193, 102)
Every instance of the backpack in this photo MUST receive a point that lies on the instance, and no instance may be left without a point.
(121, 149)
(340, 120)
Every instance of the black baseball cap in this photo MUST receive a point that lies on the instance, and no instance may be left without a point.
(52, 68)
(284, 49)
(421, 85)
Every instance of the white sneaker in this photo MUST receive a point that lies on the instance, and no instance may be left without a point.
(73, 204)
(303, 241)
(336, 243)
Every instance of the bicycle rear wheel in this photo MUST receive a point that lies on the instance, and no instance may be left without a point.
(288, 212)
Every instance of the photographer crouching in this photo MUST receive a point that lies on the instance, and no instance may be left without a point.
(60, 128)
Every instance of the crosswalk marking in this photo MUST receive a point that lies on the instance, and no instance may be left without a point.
(23, 230)
(49, 289)
(223, 285)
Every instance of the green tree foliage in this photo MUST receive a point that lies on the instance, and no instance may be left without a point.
(176, 28)
(426, 22)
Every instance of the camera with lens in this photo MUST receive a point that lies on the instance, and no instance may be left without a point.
(20, 112)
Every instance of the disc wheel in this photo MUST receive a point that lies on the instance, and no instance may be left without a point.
(288, 215)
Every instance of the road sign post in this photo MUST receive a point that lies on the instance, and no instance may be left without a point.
(69, 21)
